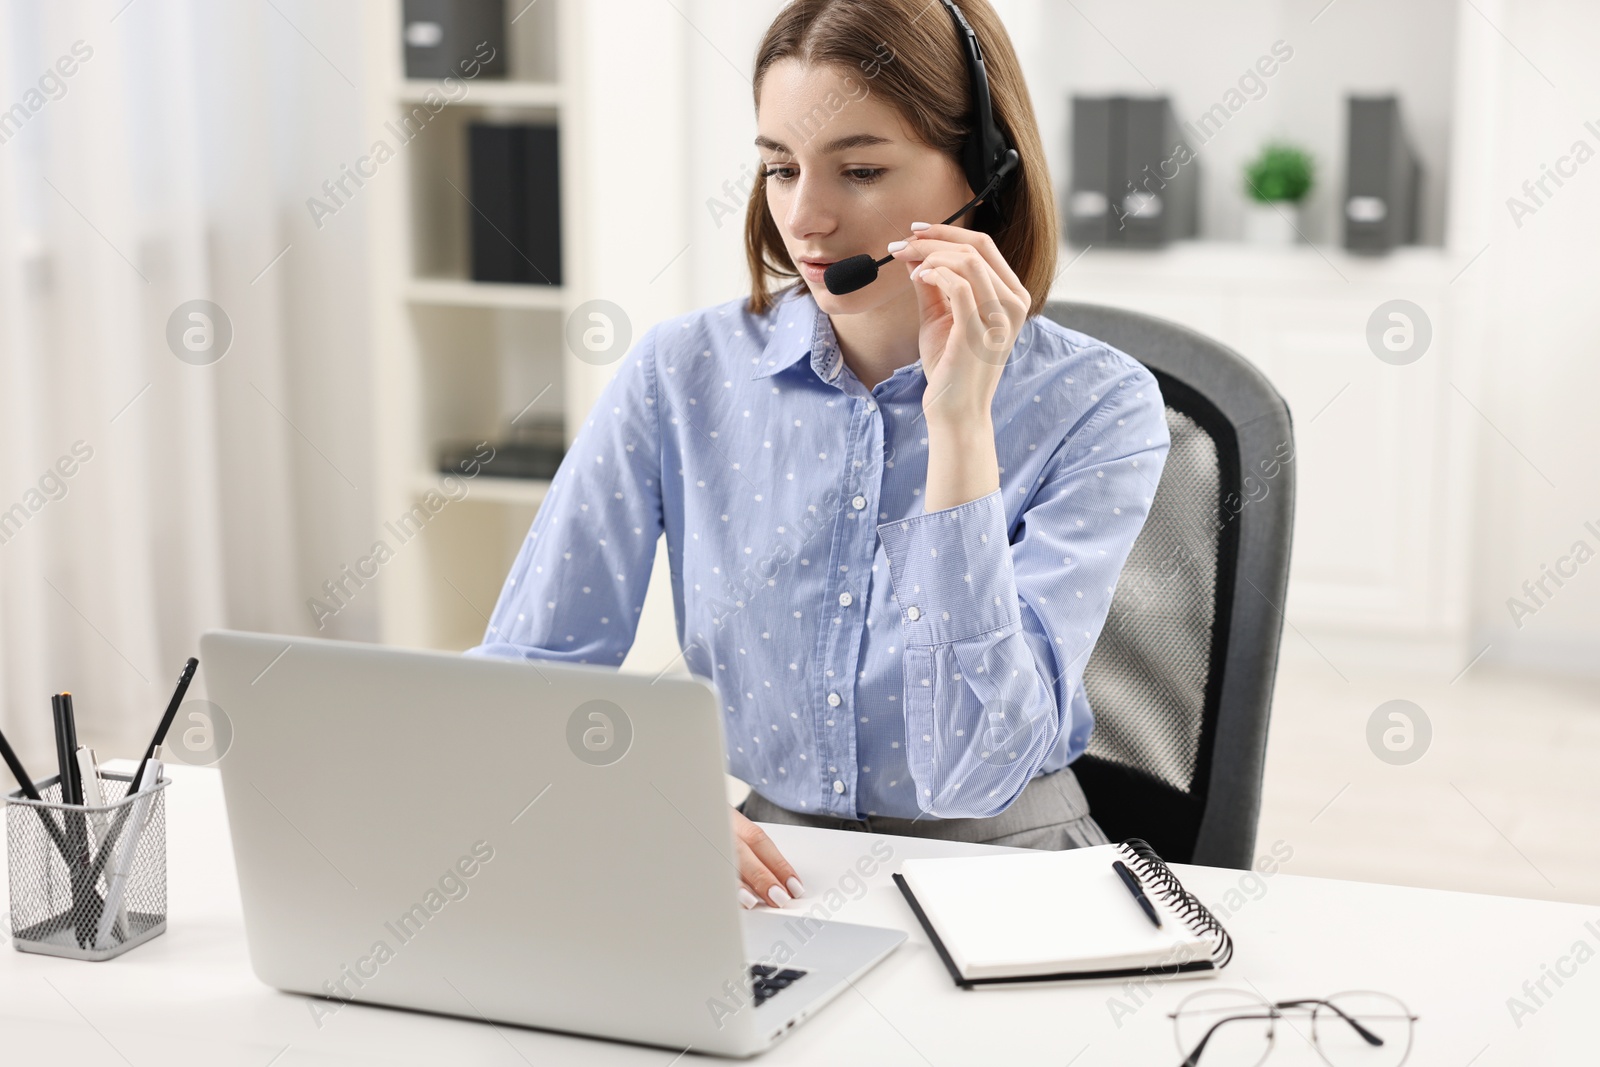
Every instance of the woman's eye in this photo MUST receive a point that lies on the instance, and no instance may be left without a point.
(859, 175)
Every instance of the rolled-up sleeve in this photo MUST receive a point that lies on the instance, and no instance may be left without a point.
(577, 587)
(996, 633)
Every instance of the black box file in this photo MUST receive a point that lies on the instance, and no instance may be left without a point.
(516, 203)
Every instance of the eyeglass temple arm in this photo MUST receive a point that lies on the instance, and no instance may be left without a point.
(1366, 1035)
(1194, 1057)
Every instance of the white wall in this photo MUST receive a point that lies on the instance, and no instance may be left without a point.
(1545, 344)
(723, 161)
(634, 135)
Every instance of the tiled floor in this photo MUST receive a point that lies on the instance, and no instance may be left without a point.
(1505, 799)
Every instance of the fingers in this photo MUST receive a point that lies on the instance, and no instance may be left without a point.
(966, 266)
(765, 875)
(760, 882)
(932, 236)
(956, 289)
(990, 289)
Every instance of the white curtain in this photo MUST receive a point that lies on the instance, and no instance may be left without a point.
(154, 153)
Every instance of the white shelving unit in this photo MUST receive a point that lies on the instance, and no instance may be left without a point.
(505, 93)
(455, 360)
(454, 292)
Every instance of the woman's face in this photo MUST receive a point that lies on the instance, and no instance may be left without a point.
(846, 177)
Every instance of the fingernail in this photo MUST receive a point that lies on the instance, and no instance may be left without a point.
(916, 273)
(895, 246)
(796, 889)
(747, 898)
(917, 226)
(778, 897)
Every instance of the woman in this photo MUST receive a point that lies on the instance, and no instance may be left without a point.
(894, 517)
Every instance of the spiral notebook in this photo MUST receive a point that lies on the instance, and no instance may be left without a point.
(1054, 916)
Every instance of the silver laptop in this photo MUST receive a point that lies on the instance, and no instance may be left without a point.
(541, 844)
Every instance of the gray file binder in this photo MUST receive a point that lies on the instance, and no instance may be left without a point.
(1135, 183)
(1383, 178)
(1160, 180)
(1094, 179)
(441, 35)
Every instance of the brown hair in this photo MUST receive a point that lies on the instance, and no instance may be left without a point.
(911, 53)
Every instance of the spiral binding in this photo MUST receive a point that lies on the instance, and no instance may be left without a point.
(1154, 872)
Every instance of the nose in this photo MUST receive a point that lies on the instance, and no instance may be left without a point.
(812, 206)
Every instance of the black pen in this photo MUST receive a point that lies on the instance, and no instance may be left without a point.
(77, 827)
(66, 745)
(29, 790)
(72, 739)
(166, 720)
(1137, 890)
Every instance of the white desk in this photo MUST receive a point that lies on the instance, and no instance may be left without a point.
(189, 996)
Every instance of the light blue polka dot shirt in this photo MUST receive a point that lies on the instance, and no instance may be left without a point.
(871, 658)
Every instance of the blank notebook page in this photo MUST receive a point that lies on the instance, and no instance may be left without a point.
(1044, 913)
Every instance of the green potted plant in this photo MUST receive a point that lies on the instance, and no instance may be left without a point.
(1275, 185)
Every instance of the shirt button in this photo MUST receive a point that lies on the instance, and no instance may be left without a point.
(871, 406)
(838, 786)
(833, 700)
(914, 612)
(845, 599)
(859, 502)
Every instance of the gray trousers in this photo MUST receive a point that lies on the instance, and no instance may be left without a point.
(1051, 813)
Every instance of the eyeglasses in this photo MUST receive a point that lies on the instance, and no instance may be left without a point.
(1358, 1028)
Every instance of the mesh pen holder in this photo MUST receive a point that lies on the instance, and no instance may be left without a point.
(87, 882)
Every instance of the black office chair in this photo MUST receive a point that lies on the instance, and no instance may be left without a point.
(1181, 678)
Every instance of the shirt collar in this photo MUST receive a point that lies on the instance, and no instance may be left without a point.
(801, 329)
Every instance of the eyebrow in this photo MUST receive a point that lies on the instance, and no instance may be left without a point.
(854, 140)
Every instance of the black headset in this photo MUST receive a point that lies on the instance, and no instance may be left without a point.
(986, 158)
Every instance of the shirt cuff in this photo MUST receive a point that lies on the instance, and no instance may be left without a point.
(951, 571)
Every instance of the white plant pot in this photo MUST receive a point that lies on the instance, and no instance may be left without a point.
(1276, 223)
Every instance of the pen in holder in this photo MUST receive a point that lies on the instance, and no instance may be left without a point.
(88, 882)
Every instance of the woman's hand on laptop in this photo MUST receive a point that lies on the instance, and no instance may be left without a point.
(764, 875)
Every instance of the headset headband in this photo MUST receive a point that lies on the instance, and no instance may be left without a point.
(985, 150)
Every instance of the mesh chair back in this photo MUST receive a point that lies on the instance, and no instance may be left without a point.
(1181, 678)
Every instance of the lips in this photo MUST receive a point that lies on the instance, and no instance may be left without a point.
(818, 262)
